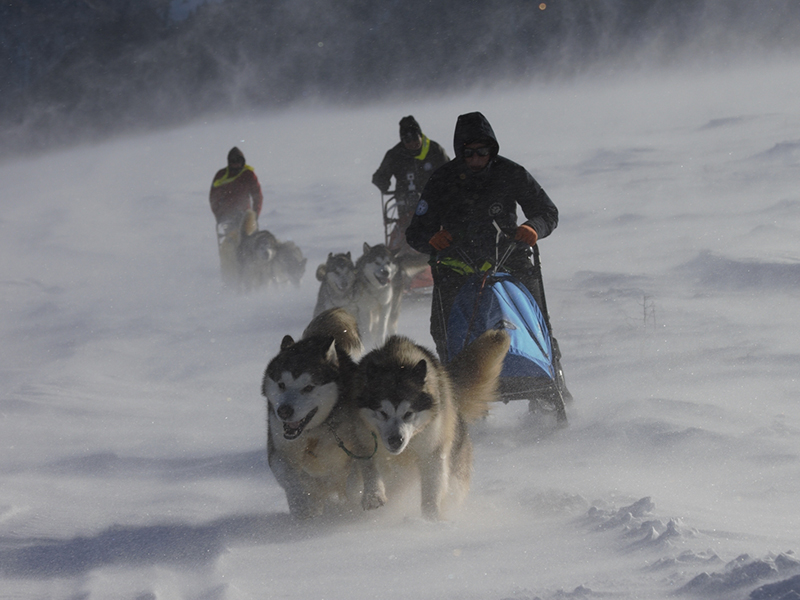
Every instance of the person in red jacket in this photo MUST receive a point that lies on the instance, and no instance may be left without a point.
(235, 194)
(235, 189)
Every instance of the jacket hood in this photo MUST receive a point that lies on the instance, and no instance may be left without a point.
(473, 127)
(234, 154)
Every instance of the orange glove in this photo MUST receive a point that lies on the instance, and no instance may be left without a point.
(440, 240)
(527, 234)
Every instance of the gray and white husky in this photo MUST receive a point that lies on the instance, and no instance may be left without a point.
(336, 278)
(311, 437)
(377, 294)
(420, 411)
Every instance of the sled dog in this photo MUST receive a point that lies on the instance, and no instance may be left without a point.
(311, 416)
(420, 411)
(264, 259)
(377, 293)
(336, 278)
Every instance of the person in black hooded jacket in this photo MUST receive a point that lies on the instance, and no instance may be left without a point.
(458, 208)
(411, 161)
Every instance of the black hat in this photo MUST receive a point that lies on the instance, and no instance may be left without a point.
(409, 126)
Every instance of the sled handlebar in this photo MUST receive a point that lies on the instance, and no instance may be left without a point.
(505, 250)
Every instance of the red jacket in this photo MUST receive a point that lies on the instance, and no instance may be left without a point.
(230, 196)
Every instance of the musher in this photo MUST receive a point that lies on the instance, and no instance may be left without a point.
(458, 209)
(411, 162)
(234, 191)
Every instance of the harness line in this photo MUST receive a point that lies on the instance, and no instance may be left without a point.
(341, 445)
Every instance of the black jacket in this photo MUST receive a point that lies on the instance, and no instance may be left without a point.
(410, 172)
(465, 203)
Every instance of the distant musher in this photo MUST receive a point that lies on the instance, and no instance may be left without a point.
(234, 191)
(411, 162)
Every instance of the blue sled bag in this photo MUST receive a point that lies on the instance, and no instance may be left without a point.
(499, 301)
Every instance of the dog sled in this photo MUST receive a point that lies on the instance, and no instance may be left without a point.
(493, 298)
(397, 214)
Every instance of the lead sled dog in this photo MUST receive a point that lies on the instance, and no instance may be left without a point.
(311, 415)
(420, 411)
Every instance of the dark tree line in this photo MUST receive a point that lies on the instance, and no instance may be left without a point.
(74, 68)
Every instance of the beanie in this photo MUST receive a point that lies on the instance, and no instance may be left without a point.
(409, 125)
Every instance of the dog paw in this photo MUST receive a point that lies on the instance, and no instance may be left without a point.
(373, 501)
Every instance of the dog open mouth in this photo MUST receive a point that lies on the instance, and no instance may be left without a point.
(293, 429)
(382, 277)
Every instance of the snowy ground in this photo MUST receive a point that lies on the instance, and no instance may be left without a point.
(132, 430)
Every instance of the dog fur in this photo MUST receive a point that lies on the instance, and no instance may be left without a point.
(420, 412)
(336, 278)
(311, 414)
(377, 294)
(264, 259)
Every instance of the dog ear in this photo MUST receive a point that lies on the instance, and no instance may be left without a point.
(419, 372)
(366, 248)
(348, 256)
(322, 270)
(287, 342)
(330, 354)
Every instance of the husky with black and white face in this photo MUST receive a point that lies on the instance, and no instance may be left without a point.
(420, 410)
(377, 293)
(302, 385)
(401, 411)
(309, 413)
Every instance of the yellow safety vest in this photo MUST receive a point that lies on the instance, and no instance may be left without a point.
(426, 145)
(225, 179)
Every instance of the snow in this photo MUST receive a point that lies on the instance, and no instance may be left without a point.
(132, 430)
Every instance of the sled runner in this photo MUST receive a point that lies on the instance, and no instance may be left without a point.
(396, 217)
(494, 299)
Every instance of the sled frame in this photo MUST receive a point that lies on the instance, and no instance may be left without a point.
(543, 393)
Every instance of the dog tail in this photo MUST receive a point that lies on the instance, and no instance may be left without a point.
(475, 372)
(342, 326)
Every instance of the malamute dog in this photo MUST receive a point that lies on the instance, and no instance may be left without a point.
(420, 410)
(311, 439)
(336, 278)
(264, 259)
(377, 293)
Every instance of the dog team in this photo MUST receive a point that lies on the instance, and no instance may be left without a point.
(346, 429)
(342, 426)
